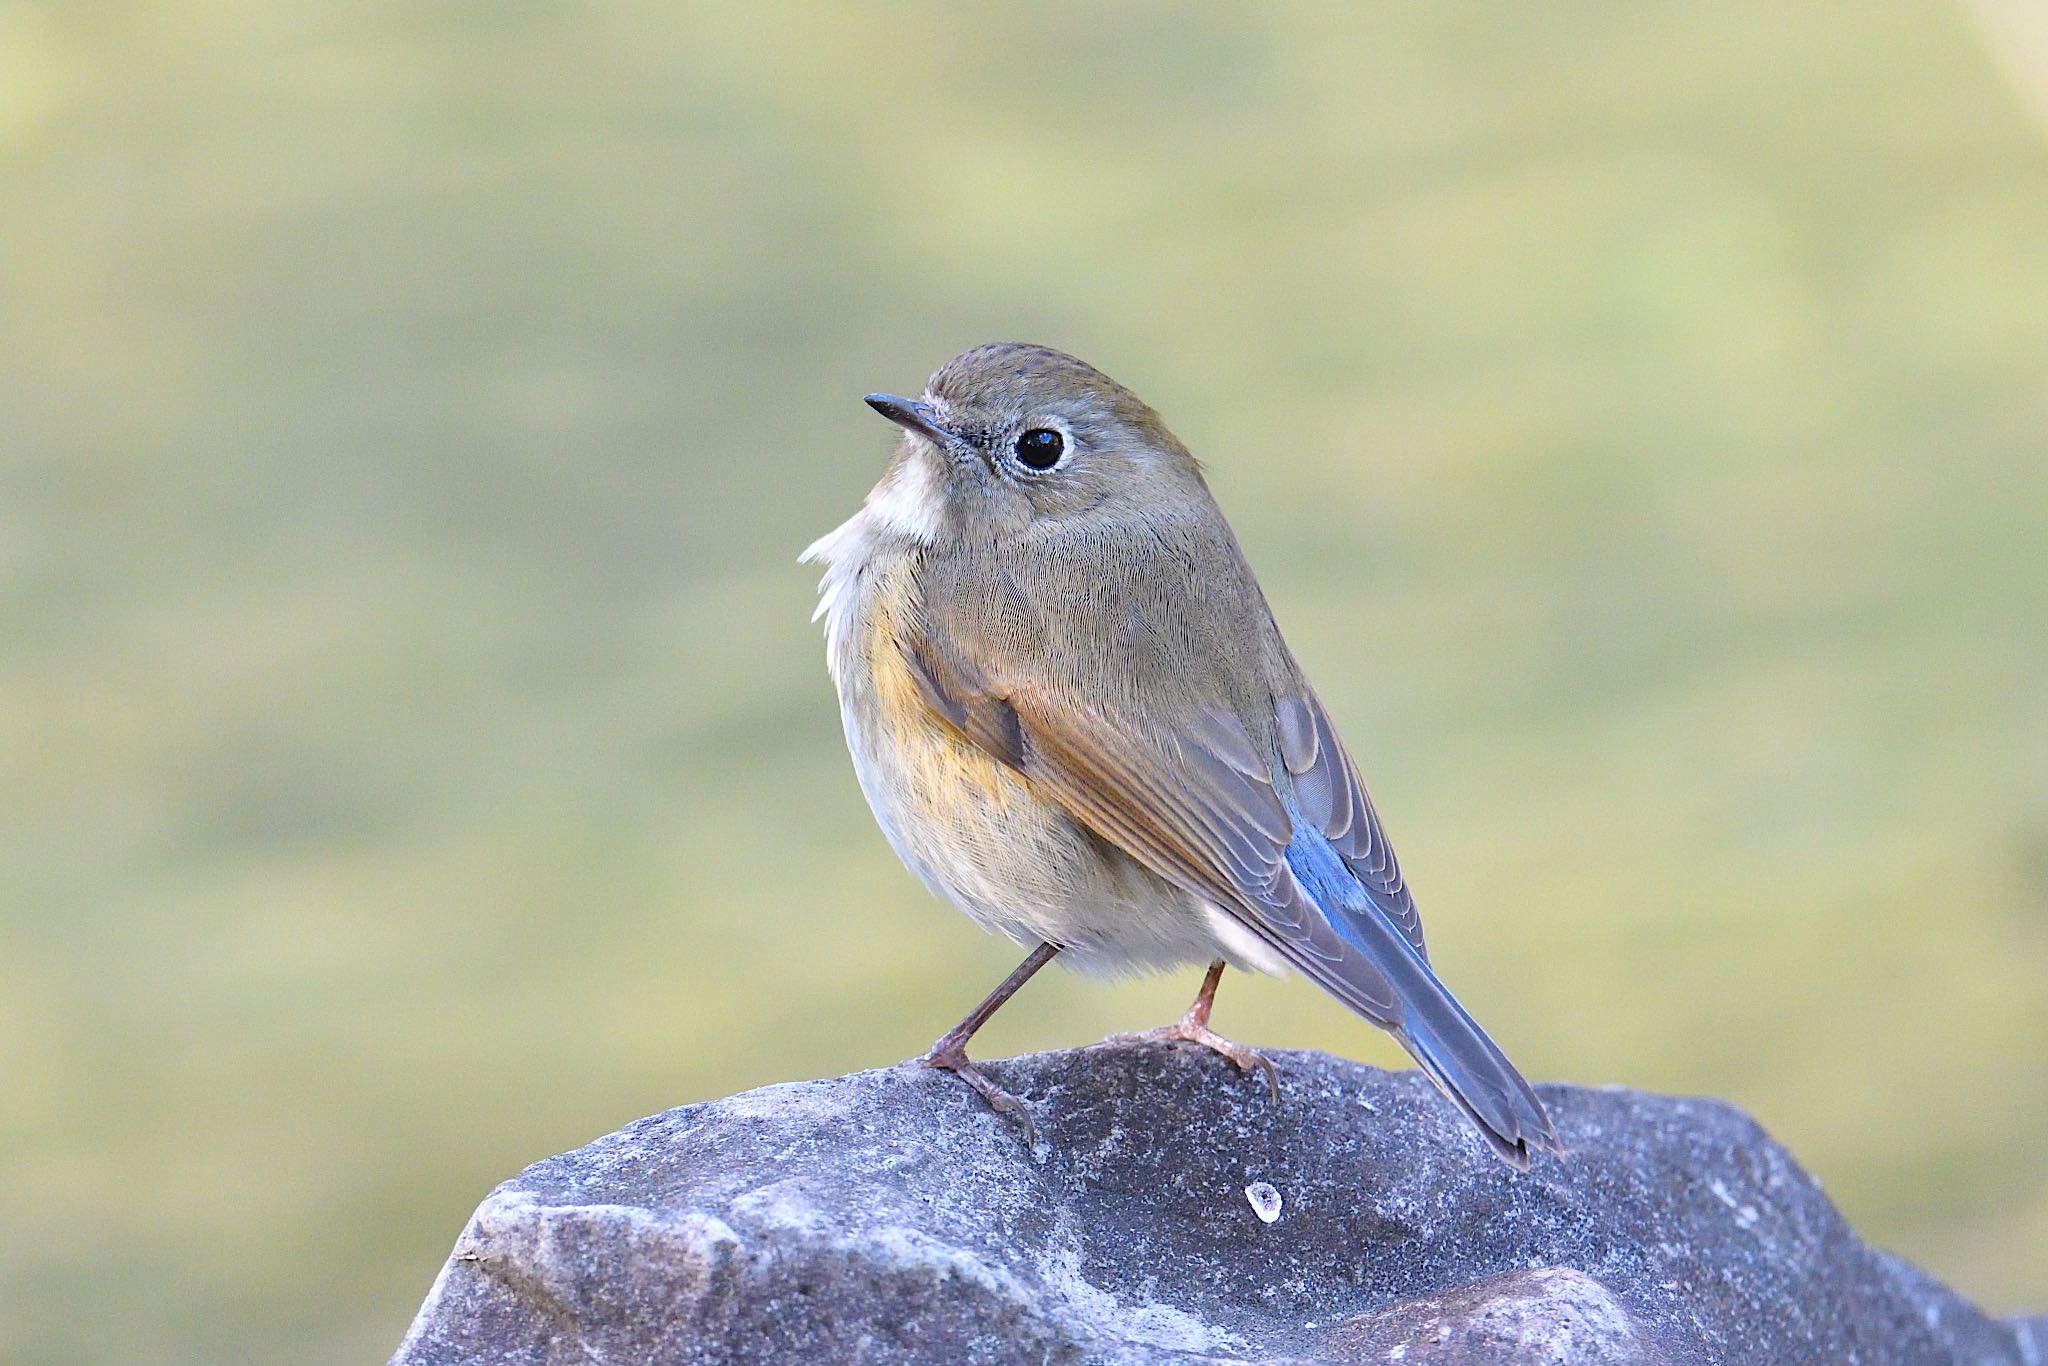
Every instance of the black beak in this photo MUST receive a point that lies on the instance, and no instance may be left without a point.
(912, 416)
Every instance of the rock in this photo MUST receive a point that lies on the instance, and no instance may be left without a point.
(889, 1217)
(1552, 1314)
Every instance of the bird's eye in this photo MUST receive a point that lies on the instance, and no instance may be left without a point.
(1041, 448)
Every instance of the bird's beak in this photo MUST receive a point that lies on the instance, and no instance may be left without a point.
(911, 415)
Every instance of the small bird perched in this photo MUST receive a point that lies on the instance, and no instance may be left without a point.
(1075, 720)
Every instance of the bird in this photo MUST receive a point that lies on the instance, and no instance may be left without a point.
(1074, 718)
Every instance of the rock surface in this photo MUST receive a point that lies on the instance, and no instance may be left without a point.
(888, 1216)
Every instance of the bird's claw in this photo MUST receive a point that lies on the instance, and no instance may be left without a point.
(1194, 1032)
(955, 1060)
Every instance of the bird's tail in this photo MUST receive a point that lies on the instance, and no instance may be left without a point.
(1453, 1050)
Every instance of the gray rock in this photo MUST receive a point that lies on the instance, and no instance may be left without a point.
(1551, 1314)
(888, 1216)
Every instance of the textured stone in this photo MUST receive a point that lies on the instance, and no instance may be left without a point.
(889, 1216)
(1518, 1318)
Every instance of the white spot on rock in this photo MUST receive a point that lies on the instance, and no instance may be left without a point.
(1265, 1200)
(1745, 1215)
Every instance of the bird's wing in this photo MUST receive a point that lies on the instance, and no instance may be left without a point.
(1333, 800)
(1193, 801)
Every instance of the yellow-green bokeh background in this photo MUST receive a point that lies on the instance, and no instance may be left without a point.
(417, 759)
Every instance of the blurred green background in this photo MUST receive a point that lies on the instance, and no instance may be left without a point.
(417, 759)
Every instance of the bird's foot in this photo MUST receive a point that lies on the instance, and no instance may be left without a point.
(1194, 1031)
(954, 1059)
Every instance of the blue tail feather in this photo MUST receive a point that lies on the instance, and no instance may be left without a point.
(1451, 1047)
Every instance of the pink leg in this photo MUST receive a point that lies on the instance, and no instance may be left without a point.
(1193, 1027)
(950, 1050)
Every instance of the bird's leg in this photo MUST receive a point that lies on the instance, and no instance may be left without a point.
(1193, 1027)
(950, 1050)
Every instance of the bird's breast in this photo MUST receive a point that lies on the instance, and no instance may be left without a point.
(971, 828)
(965, 823)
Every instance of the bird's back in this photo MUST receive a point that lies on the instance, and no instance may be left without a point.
(1157, 614)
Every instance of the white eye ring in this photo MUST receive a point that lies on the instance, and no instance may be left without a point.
(1041, 447)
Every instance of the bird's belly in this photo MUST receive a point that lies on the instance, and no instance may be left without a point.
(974, 831)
